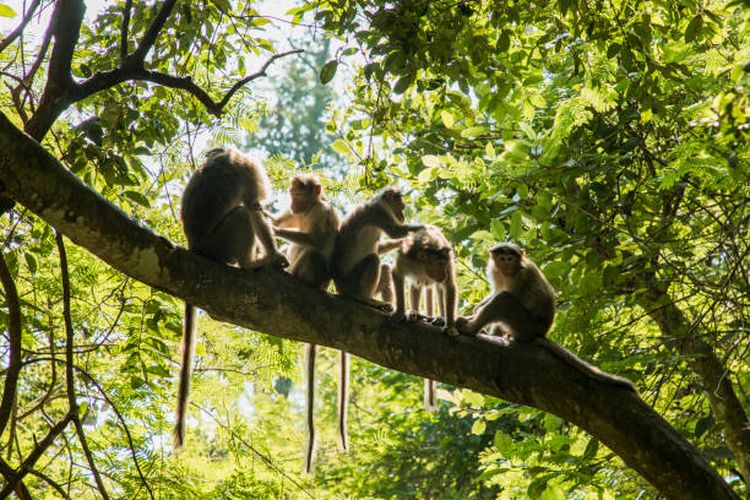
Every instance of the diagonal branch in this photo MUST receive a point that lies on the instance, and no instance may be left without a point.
(260, 73)
(21, 26)
(127, 9)
(269, 300)
(139, 55)
(14, 336)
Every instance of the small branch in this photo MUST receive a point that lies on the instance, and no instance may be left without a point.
(124, 31)
(138, 56)
(21, 26)
(256, 75)
(124, 426)
(35, 455)
(69, 376)
(66, 27)
(14, 336)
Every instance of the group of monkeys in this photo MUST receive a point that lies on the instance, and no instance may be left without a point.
(222, 215)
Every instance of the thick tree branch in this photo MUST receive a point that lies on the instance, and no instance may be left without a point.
(14, 337)
(271, 301)
(66, 27)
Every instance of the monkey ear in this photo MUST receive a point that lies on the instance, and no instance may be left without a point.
(318, 189)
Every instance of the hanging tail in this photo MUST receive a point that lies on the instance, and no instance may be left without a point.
(186, 368)
(310, 355)
(343, 400)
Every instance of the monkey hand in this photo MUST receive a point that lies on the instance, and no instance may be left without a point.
(412, 316)
(451, 331)
(462, 325)
(437, 321)
(278, 259)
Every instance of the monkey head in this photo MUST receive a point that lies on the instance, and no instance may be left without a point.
(304, 191)
(394, 200)
(507, 258)
(435, 262)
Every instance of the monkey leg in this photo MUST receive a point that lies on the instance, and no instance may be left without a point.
(398, 282)
(415, 292)
(505, 308)
(311, 268)
(261, 227)
(230, 241)
(385, 283)
(362, 282)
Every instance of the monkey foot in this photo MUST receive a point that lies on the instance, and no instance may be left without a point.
(451, 331)
(437, 321)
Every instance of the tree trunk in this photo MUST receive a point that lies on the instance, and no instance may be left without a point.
(271, 301)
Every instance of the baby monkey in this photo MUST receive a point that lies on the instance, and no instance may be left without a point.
(221, 216)
(425, 262)
(310, 225)
(357, 269)
(522, 308)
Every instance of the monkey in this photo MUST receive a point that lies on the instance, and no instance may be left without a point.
(221, 216)
(522, 308)
(310, 225)
(425, 260)
(357, 268)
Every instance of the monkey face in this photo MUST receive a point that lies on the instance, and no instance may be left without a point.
(395, 201)
(435, 264)
(507, 260)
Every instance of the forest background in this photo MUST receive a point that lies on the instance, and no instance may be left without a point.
(609, 138)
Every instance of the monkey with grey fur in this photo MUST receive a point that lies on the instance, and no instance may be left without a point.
(522, 308)
(310, 225)
(426, 262)
(356, 265)
(222, 216)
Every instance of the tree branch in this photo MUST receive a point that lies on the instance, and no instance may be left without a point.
(269, 300)
(124, 31)
(69, 376)
(14, 336)
(261, 72)
(21, 26)
(139, 55)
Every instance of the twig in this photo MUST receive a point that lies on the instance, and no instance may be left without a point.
(69, 376)
(14, 337)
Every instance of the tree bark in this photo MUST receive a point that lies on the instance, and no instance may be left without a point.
(271, 301)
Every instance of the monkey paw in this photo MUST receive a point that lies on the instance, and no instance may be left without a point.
(412, 316)
(462, 326)
(451, 331)
(280, 260)
(437, 321)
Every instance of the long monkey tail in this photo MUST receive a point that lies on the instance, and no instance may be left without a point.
(584, 367)
(186, 368)
(343, 400)
(310, 354)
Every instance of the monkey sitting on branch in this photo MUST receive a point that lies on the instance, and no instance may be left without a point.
(311, 226)
(222, 215)
(425, 262)
(357, 269)
(522, 308)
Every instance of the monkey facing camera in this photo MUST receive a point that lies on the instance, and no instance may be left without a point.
(521, 307)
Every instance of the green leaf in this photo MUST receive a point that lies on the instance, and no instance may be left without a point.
(431, 161)
(341, 147)
(30, 262)
(403, 83)
(428, 174)
(138, 198)
(479, 427)
(328, 71)
(537, 487)
(613, 50)
(694, 28)
(473, 131)
(6, 11)
(447, 118)
(591, 449)
(516, 225)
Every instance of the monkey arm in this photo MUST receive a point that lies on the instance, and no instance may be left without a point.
(295, 236)
(379, 218)
(386, 246)
(283, 220)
